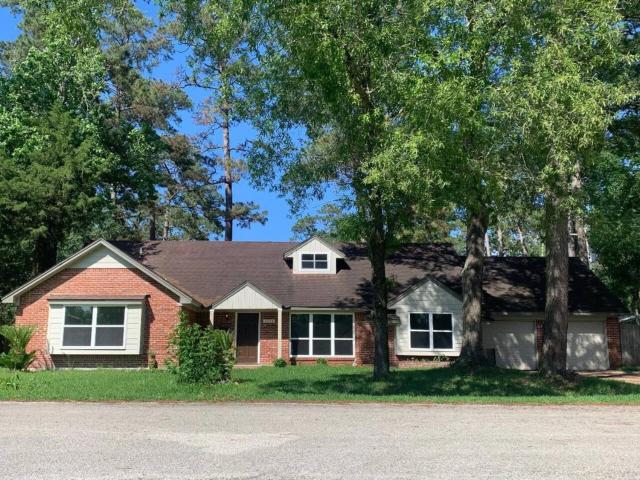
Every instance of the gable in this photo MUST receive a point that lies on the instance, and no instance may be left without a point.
(427, 292)
(98, 253)
(101, 257)
(246, 297)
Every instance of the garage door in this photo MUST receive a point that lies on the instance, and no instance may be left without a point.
(514, 343)
(587, 346)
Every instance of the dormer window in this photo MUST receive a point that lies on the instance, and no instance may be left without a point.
(315, 261)
(314, 256)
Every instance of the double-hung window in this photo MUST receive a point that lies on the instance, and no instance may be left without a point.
(315, 261)
(91, 326)
(431, 331)
(322, 334)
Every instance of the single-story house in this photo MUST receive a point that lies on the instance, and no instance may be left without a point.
(114, 304)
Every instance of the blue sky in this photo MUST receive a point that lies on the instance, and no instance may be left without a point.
(278, 226)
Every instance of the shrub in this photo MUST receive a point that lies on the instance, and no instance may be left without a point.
(279, 363)
(321, 361)
(202, 355)
(17, 358)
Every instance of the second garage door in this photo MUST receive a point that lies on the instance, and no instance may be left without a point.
(587, 346)
(514, 343)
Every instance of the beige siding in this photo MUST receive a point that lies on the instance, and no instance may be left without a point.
(587, 345)
(314, 246)
(429, 297)
(514, 342)
(100, 258)
(247, 298)
(133, 333)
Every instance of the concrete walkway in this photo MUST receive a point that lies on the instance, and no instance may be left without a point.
(308, 441)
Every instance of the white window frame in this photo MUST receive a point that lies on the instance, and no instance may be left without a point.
(431, 332)
(315, 260)
(333, 338)
(94, 325)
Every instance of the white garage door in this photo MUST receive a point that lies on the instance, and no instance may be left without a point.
(587, 346)
(514, 343)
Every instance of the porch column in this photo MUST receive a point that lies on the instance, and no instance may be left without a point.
(212, 314)
(279, 332)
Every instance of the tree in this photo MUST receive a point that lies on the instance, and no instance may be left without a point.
(560, 105)
(334, 69)
(476, 45)
(219, 34)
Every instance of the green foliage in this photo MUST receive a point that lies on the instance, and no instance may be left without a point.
(202, 355)
(279, 363)
(321, 361)
(18, 337)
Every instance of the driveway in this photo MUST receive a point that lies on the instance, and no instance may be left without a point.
(308, 441)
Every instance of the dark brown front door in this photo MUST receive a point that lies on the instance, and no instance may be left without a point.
(247, 337)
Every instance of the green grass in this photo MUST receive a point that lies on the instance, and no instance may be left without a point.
(318, 383)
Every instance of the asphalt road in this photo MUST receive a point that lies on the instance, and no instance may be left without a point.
(302, 441)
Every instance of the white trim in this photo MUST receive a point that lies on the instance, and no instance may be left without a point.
(331, 339)
(314, 269)
(431, 331)
(92, 303)
(94, 326)
(13, 297)
(274, 301)
(407, 292)
(290, 253)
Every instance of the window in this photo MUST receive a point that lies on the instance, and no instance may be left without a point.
(87, 326)
(322, 334)
(315, 261)
(431, 331)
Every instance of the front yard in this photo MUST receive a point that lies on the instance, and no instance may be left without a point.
(317, 383)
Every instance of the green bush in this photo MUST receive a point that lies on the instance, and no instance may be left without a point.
(202, 355)
(17, 358)
(279, 363)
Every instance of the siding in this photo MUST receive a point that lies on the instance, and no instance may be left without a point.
(246, 298)
(433, 298)
(314, 246)
(100, 258)
(133, 333)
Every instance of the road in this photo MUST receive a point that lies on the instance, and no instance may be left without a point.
(313, 441)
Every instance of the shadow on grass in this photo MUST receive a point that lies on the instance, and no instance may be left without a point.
(443, 382)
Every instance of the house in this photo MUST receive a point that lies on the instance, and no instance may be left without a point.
(114, 304)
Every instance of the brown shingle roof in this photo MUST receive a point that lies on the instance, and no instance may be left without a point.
(209, 270)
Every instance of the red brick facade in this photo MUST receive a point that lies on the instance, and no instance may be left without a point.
(614, 342)
(161, 314)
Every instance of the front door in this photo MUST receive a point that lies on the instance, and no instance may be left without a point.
(247, 337)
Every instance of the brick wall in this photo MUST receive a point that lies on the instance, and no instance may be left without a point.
(161, 312)
(365, 341)
(269, 337)
(539, 340)
(613, 341)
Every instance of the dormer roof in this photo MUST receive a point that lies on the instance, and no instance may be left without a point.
(301, 246)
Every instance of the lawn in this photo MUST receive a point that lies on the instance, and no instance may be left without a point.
(317, 383)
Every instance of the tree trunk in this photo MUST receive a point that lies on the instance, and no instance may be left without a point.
(578, 242)
(471, 353)
(523, 244)
(228, 177)
(45, 254)
(487, 244)
(166, 226)
(500, 241)
(377, 256)
(556, 315)
(152, 224)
